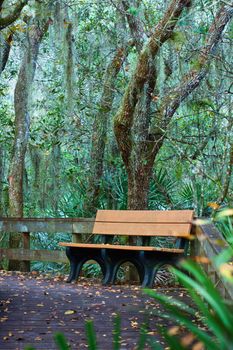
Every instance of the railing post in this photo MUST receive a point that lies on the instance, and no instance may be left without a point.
(25, 265)
(194, 243)
(76, 238)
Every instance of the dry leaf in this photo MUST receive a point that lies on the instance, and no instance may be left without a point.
(38, 338)
(187, 339)
(174, 330)
(69, 312)
(198, 346)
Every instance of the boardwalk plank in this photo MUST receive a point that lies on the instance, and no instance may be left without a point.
(28, 323)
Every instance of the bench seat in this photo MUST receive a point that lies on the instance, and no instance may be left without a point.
(121, 247)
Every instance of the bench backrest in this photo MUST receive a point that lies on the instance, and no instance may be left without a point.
(176, 223)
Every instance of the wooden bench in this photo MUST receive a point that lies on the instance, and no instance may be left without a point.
(148, 259)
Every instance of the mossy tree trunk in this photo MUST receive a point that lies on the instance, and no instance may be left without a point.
(55, 175)
(1, 180)
(5, 45)
(141, 117)
(100, 128)
(139, 150)
(22, 124)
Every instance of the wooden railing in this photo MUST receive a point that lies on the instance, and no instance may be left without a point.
(206, 244)
(210, 243)
(29, 226)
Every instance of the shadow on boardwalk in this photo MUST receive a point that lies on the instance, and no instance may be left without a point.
(33, 308)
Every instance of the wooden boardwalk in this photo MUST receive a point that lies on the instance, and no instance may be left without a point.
(33, 308)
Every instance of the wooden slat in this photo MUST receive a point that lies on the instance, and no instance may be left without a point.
(148, 216)
(142, 229)
(120, 247)
(33, 255)
(69, 225)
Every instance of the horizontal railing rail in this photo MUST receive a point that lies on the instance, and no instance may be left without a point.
(77, 227)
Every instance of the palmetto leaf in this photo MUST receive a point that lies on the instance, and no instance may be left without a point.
(211, 309)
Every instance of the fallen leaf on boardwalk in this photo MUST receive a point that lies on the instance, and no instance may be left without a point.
(69, 312)
(38, 339)
(40, 305)
(134, 324)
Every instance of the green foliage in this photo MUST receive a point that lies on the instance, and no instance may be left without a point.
(211, 309)
(133, 11)
(61, 342)
(178, 38)
(224, 222)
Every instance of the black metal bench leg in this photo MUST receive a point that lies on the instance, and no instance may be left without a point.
(107, 280)
(78, 269)
(140, 270)
(102, 267)
(114, 272)
(149, 276)
(73, 265)
(113, 267)
(73, 271)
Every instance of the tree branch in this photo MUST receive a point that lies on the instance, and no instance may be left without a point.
(136, 27)
(6, 21)
(193, 78)
(227, 181)
(124, 118)
(1, 3)
(5, 51)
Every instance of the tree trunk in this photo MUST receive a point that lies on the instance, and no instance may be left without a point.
(5, 46)
(35, 190)
(22, 124)
(1, 180)
(99, 134)
(55, 176)
(139, 153)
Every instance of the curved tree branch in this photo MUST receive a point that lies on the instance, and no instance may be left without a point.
(136, 27)
(13, 16)
(4, 55)
(193, 78)
(124, 118)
